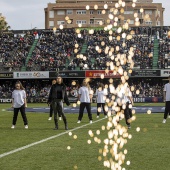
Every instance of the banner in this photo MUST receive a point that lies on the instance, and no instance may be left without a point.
(74, 100)
(31, 75)
(68, 74)
(98, 73)
(147, 99)
(139, 100)
(145, 73)
(6, 75)
(5, 100)
(165, 73)
(44, 100)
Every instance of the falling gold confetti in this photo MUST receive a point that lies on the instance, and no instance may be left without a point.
(70, 133)
(149, 112)
(68, 147)
(138, 129)
(75, 136)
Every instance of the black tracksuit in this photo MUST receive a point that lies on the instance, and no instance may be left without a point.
(56, 97)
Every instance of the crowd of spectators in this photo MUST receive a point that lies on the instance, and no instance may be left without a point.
(61, 49)
(36, 88)
(14, 49)
(140, 41)
(164, 48)
(147, 88)
(53, 50)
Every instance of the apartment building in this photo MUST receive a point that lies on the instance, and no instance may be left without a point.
(71, 13)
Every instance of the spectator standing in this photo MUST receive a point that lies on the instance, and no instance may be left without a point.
(166, 100)
(85, 97)
(19, 103)
(56, 97)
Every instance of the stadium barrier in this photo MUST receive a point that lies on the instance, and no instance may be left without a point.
(74, 100)
(36, 100)
(82, 74)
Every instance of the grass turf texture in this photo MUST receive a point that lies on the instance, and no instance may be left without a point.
(148, 149)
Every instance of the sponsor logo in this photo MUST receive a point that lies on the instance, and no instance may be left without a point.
(5, 100)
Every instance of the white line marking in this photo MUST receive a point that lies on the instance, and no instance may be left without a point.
(46, 139)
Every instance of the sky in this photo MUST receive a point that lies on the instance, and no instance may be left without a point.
(21, 14)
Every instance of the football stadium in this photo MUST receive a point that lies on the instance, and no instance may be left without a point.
(89, 90)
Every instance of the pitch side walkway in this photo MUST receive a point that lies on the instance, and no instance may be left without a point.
(138, 109)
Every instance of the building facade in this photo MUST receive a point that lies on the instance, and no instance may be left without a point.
(76, 11)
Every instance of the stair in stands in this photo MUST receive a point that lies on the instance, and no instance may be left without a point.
(83, 51)
(155, 54)
(84, 48)
(93, 60)
(67, 62)
(29, 54)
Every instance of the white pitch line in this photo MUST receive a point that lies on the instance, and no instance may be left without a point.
(46, 139)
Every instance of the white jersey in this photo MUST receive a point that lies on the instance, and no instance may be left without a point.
(167, 90)
(124, 93)
(85, 94)
(128, 94)
(101, 96)
(18, 96)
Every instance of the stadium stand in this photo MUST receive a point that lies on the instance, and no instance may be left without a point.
(47, 50)
(14, 50)
(53, 50)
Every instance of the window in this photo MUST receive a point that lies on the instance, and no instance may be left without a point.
(81, 11)
(148, 22)
(91, 12)
(60, 22)
(158, 23)
(141, 21)
(149, 12)
(99, 12)
(128, 12)
(92, 21)
(138, 11)
(60, 12)
(69, 12)
(51, 14)
(131, 22)
(71, 21)
(98, 22)
(51, 23)
(81, 22)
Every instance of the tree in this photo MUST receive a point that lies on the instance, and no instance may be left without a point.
(3, 24)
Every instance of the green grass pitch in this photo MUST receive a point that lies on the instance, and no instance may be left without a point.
(148, 149)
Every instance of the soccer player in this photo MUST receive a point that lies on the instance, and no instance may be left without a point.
(85, 97)
(101, 99)
(19, 103)
(166, 96)
(51, 108)
(56, 97)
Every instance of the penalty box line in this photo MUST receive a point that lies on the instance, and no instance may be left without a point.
(46, 139)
